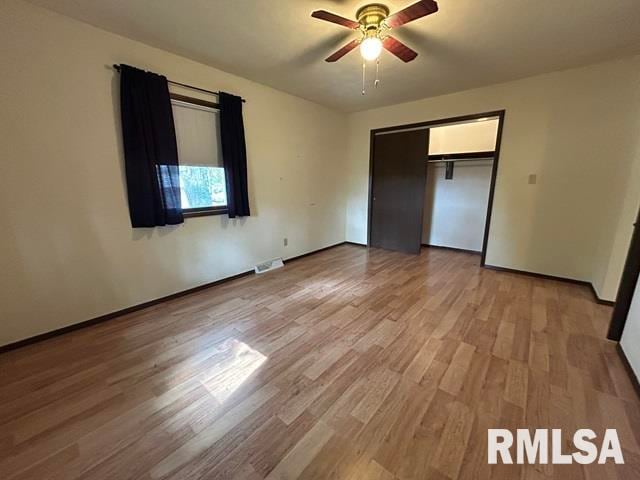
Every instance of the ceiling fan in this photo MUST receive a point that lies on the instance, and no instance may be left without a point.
(374, 22)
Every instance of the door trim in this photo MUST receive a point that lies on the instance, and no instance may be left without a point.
(628, 282)
(500, 114)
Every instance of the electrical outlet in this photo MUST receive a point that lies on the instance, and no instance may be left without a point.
(285, 241)
(533, 179)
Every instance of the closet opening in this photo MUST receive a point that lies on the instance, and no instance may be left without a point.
(431, 184)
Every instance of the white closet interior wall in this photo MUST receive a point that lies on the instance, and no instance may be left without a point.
(455, 210)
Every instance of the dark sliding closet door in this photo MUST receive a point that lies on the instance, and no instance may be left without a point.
(397, 190)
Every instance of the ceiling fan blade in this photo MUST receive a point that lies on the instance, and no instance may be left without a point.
(399, 49)
(411, 13)
(333, 18)
(343, 51)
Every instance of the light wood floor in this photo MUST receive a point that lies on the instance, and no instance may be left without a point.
(347, 364)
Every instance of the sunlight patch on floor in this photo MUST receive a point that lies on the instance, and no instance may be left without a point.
(232, 372)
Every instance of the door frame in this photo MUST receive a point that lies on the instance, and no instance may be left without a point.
(628, 282)
(500, 114)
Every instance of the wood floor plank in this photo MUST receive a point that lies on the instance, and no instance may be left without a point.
(454, 376)
(379, 385)
(211, 434)
(453, 443)
(516, 385)
(294, 463)
(422, 361)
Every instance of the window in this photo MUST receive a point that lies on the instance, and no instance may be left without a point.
(202, 180)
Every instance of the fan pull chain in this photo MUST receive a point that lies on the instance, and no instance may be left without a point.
(364, 78)
(377, 81)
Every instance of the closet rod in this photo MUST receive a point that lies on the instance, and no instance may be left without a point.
(117, 68)
(452, 157)
(461, 160)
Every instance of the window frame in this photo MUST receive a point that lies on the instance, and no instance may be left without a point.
(200, 211)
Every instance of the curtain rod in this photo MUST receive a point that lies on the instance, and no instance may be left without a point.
(117, 68)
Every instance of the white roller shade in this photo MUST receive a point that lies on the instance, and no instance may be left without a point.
(197, 134)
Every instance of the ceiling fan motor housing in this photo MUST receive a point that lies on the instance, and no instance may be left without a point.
(372, 15)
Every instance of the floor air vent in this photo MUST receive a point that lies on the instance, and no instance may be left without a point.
(269, 265)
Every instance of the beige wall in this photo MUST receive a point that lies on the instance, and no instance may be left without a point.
(578, 130)
(67, 250)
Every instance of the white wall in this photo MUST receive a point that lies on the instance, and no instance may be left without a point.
(455, 210)
(631, 334)
(67, 250)
(578, 130)
(477, 136)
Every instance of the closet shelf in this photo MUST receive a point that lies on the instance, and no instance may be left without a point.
(456, 157)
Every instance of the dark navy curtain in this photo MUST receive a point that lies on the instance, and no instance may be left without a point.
(234, 154)
(150, 150)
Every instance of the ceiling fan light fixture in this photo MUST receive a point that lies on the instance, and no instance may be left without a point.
(370, 48)
(373, 21)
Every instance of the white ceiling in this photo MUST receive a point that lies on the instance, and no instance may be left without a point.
(468, 43)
